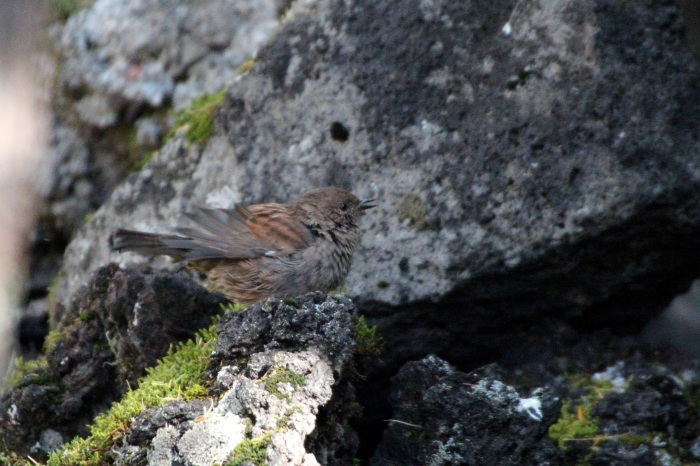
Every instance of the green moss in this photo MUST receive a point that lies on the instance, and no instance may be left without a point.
(634, 440)
(576, 421)
(34, 372)
(250, 451)
(87, 316)
(176, 377)
(341, 289)
(573, 424)
(197, 120)
(369, 342)
(10, 458)
(62, 9)
(246, 66)
(284, 422)
(52, 339)
(411, 208)
(52, 300)
(283, 375)
(232, 307)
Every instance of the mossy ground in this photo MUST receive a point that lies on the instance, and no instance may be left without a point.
(176, 377)
(197, 120)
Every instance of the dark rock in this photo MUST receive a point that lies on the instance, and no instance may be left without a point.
(119, 324)
(653, 415)
(445, 417)
(33, 327)
(294, 324)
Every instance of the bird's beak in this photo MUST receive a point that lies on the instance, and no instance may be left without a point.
(367, 204)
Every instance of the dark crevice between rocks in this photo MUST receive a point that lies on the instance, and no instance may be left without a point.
(45, 256)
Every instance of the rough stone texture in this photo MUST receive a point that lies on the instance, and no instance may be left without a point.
(445, 417)
(652, 401)
(643, 400)
(120, 323)
(310, 337)
(550, 171)
(153, 52)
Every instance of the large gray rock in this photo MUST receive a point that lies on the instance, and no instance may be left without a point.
(544, 170)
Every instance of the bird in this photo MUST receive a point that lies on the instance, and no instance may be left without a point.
(251, 253)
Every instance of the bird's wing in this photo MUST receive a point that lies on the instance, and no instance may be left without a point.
(274, 226)
(241, 233)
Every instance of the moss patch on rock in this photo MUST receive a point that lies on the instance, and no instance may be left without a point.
(369, 341)
(283, 375)
(576, 422)
(33, 372)
(197, 120)
(250, 451)
(412, 208)
(176, 377)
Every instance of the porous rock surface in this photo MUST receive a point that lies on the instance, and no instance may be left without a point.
(120, 323)
(279, 369)
(551, 170)
(442, 416)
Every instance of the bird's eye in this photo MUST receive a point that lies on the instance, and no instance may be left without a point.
(343, 206)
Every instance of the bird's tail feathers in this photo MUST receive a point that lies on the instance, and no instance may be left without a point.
(151, 244)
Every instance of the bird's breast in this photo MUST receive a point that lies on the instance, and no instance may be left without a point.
(322, 266)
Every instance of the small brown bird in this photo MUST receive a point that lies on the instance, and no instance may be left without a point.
(254, 252)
